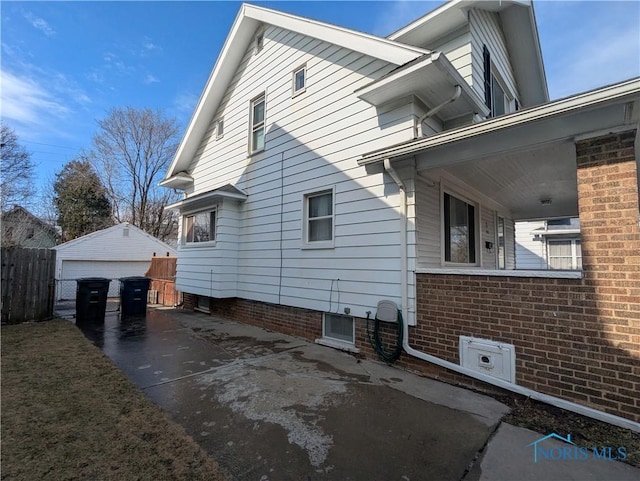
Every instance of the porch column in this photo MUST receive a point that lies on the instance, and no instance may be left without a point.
(609, 209)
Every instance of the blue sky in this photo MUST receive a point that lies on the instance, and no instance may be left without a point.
(65, 64)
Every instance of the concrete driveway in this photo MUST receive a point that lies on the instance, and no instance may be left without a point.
(272, 407)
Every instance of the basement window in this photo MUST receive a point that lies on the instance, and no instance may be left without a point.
(338, 328)
(202, 304)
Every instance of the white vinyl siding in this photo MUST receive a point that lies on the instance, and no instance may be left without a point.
(531, 251)
(457, 48)
(486, 30)
(312, 141)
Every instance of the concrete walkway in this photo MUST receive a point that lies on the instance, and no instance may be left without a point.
(272, 407)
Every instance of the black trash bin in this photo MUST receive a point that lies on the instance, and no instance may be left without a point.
(91, 299)
(133, 296)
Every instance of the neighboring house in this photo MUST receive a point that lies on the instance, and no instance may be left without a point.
(325, 170)
(122, 250)
(21, 228)
(549, 244)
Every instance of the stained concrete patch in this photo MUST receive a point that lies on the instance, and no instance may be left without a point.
(281, 390)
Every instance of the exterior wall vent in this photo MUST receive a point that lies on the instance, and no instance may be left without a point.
(493, 358)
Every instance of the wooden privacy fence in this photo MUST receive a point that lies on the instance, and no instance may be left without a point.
(27, 284)
(162, 289)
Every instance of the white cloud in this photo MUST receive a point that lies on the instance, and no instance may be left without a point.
(39, 24)
(26, 102)
(150, 79)
(149, 45)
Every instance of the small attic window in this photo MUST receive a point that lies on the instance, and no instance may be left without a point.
(259, 41)
(125, 232)
(219, 129)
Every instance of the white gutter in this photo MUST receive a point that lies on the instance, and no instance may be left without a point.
(404, 285)
(437, 108)
(554, 401)
(607, 95)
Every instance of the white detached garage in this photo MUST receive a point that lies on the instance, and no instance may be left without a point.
(119, 251)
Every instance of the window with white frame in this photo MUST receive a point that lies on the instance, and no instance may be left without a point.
(200, 227)
(219, 128)
(338, 328)
(300, 80)
(459, 230)
(502, 252)
(495, 93)
(257, 115)
(318, 218)
(564, 254)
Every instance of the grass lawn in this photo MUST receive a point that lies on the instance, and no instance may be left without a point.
(68, 413)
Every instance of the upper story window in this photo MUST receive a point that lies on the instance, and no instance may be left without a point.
(495, 92)
(459, 230)
(200, 227)
(219, 128)
(318, 219)
(256, 142)
(300, 80)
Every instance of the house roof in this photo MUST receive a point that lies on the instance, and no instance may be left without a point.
(91, 237)
(24, 213)
(227, 191)
(248, 20)
(520, 31)
(432, 77)
(523, 163)
(613, 94)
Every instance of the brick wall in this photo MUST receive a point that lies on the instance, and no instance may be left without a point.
(294, 321)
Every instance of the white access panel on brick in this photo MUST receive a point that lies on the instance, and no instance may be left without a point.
(493, 358)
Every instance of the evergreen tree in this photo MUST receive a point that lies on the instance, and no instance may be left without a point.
(81, 201)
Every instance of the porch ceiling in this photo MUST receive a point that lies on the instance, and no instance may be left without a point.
(521, 181)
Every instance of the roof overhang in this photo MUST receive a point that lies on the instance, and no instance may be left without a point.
(525, 161)
(207, 198)
(562, 119)
(521, 36)
(248, 20)
(431, 78)
(180, 181)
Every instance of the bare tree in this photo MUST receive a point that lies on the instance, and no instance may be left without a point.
(131, 152)
(16, 168)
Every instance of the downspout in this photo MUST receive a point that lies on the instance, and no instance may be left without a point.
(437, 108)
(554, 401)
(404, 288)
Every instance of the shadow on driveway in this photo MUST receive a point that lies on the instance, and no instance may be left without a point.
(272, 407)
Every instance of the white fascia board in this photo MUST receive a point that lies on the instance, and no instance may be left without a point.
(377, 47)
(612, 94)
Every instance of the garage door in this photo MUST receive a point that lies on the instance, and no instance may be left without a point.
(113, 270)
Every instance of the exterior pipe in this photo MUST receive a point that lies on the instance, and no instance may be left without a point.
(437, 108)
(404, 288)
(554, 401)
